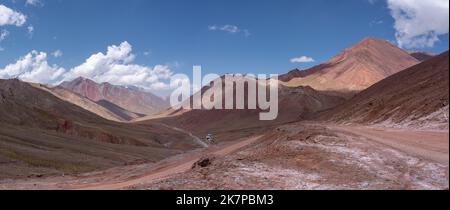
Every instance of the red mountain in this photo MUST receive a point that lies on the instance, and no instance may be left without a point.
(416, 97)
(354, 69)
(40, 133)
(131, 99)
(295, 103)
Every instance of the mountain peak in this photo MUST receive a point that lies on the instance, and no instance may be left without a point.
(373, 40)
(370, 51)
(370, 43)
(355, 68)
(79, 80)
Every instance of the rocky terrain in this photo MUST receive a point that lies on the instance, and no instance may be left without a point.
(295, 156)
(315, 157)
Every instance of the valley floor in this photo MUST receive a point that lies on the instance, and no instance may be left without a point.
(293, 156)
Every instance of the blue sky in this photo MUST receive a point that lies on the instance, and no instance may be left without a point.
(181, 33)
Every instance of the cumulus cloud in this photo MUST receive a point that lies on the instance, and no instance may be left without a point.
(115, 67)
(302, 59)
(232, 29)
(419, 23)
(33, 67)
(11, 17)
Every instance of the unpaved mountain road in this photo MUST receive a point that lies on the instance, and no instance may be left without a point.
(168, 169)
(196, 139)
(430, 145)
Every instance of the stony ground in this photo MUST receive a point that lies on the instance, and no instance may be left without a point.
(295, 156)
(313, 157)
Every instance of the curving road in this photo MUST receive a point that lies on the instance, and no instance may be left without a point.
(171, 168)
(196, 139)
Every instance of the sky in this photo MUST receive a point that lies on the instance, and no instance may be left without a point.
(144, 42)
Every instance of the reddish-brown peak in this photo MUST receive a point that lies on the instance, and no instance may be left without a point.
(370, 43)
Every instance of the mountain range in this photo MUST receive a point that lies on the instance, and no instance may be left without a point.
(117, 98)
(303, 93)
(83, 126)
(40, 133)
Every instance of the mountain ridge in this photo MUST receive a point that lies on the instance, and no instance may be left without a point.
(355, 68)
(133, 99)
(417, 97)
(41, 133)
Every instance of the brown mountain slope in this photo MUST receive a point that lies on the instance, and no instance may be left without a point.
(294, 104)
(354, 69)
(82, 102)
(133, 100)
(102, 108)
(40, 133)
(421, 56)
(124, 114)
(416, 97)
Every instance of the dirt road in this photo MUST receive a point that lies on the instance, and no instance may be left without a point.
(431, 145)
(424, 144)
(169, 168)
(194, 138)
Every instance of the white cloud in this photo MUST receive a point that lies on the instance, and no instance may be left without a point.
(34, 2)
(419, 23)
(11, 17)
(3, 35)
(57, 53)
(302, 59)
(159, 86)
(232, 29)
(115, 67)
(33, 67)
